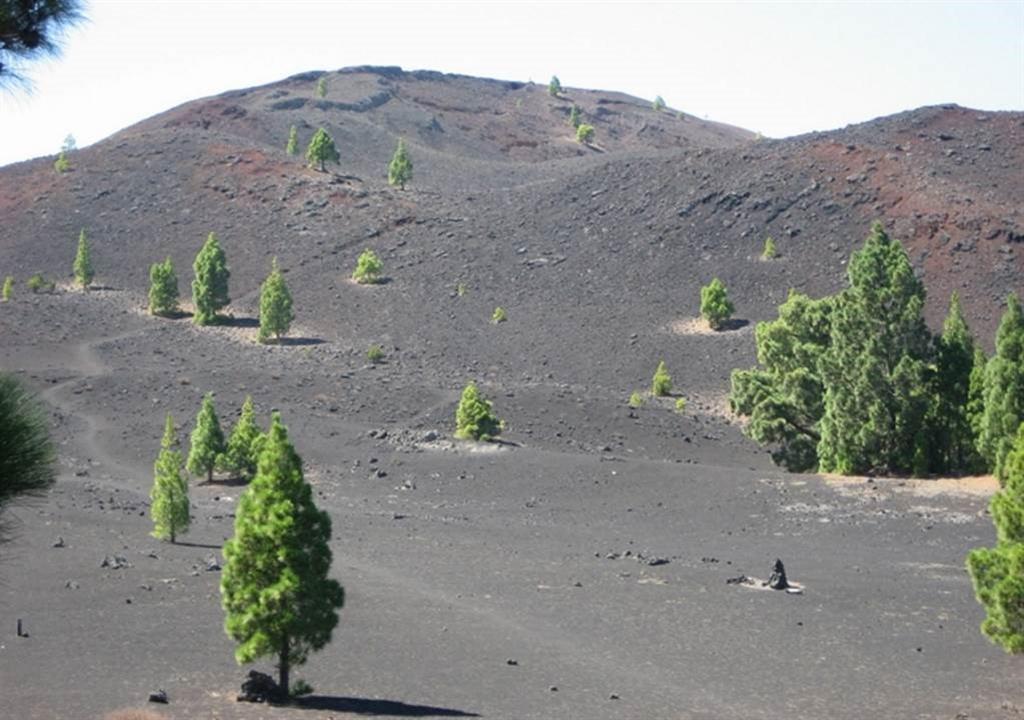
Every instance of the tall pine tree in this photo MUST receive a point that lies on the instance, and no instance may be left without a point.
(210, 285)
(1004, 390)
(275, 590)
(207, 441)
(952, 440)
(292, 148)
(170, 507)
(275, 306)
(84, 272)
(876, 370)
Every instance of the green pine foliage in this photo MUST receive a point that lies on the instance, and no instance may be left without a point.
(1003, 390)
(8, 290)
(876, 370)
(952, 439)
(636, 400)
(321, 87)
(27, 455)
(770, 252)
(321, 150)
(37, 283)
(241, 456)
(584, 133)
(276, 313)
(998, 572)
(554, 86)
(499, 315)
(292, 148)
(61, 165)
(163, 289)
(210, 284)
(715, 306)
(400, 167)
(277, 597)
(680, 405)
(375, 354)
(207, 441)
(474, 419)
(574, 117)
(784, 398)
(658, 104)
(368, 268)
(661, 384)
(83, 269)
(169, 508)
(976, 396)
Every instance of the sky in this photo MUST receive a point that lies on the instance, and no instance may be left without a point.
(776, 68)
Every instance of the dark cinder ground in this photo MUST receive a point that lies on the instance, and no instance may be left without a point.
(578, 568)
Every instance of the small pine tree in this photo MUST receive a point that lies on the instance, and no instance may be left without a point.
(207, 441)
(170, 507)
(277, 597)
(163, 288)
(368, 268)
(241, 457)
(715, 306)
(8, 288)
(321, 150)
(292, 148)
(275, 306)
(658, 104)
(680, 405)
(574, 117)
(400, 168)
(998, 572)
(769, 252)
(61, 164)
(83, 262)
(554, 87)
(321, 87)
(585, 134)
(661, 385)
(474, 419)
(636, 400)
(499, 315)
(210, 286)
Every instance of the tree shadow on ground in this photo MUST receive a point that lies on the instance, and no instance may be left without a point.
(230, 481)
(368, 706)
(299, 341)
(198, 545)
(175, 315)
(239, 322)
(733, 324)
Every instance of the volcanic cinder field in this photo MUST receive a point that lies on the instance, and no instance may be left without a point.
(578, 568)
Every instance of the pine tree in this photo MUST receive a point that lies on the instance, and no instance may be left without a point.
(658, 104)
(207, 441)
(715, 306)
(275, 306)
(321, 87)
(661, 384)
(240, 456)
(210, 285)
(876, 369)
(574, 116)
(321, 150)
(61, 164)
(368, 268)
(275, 590)
(170, 507)
(998, 572)
(474, 419)
(952, 439)
(26, 452)
(769, 252)
(554, 87)
(163, 288)
(8, 290)
(584, 134)
(976, 399)
(784, 398)
(83, 261)
(1004, 390)
(400, 169)
(292, 148)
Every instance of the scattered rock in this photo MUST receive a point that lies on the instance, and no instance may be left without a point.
(260, 687)
(212, 565)
(778, 581)
(738, 580)
(160, 696)
(59, 542)
(115, 562)
(71, 585)
(510, 661)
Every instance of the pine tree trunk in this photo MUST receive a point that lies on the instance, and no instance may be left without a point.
(284, 667)
(209, 474)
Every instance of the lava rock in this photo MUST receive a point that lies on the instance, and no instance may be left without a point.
(778, 581)
(160, 696)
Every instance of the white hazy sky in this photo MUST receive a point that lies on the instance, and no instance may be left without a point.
(777, 68)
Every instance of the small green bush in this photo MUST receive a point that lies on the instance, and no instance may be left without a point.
(715, 306)
(661, 385)
(474, 419)
(37, 283)
(555, 86)
(368, 268)
(585, 133)
(574, 116)
(8, 288)
(769, 252)
(636, 400)
(680, 405)
(499, 315)
(375, 354)
(461, 289)
(658, 104)
(61, 164)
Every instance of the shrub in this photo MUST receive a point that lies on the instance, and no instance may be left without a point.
(461, 289)
(585, 133)
(474, 419)
(661, 385)
(37, 283)
(61, 164)
(368, 268)
(715, 306)
(659, 103)
(499, 315)
(8, 288)
(574, 116)
(554, 87)
(680, 405)
(163, 288)
(769, 252)
(375, 354)
(636, 400)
